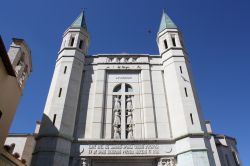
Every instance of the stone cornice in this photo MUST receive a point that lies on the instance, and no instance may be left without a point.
(153, 140)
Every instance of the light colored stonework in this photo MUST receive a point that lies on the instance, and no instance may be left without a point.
(123, 109)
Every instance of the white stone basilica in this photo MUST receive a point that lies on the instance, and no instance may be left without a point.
(127, 109)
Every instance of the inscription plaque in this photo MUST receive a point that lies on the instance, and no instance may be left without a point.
(125, 150)
(123, 77)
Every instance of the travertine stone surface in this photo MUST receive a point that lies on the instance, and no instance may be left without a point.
(124, 109)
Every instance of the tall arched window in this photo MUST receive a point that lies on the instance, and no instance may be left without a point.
(123, 99)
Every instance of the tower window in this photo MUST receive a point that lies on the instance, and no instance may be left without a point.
(80, 44)
(173, 41)
(186, 92)
(60, 92)
(1, 114)
(54, 119)
(65, 70)
(191, 118)
(181, 69)
(72, 42)
(166, 44)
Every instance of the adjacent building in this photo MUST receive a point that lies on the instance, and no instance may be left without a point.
(15, 67)
(127, 109)
(22, 145)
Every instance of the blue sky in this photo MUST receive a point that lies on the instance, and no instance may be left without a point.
(216, 34)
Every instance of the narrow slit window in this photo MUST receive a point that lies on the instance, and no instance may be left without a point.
(65, 70)
(60, 92)
(191, 118)
(1, 114)
(236, 159)
(80, 44)
(54, 119)
(186, 92)
(181, 69)
(173, 40)
(166, 44)
(72, 41)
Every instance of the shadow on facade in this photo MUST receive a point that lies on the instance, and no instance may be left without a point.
(83, 104)
(46, 141)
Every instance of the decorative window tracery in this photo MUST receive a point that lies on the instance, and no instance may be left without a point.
(122, 60)
(123, 116)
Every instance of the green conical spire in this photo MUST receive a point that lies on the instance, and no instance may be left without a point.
(80, 22)
(166, 22)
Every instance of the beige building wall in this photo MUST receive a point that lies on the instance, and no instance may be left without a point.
(15, 67)
(10, 93)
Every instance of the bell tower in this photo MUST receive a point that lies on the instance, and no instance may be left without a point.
(187, 122)
(56, 133)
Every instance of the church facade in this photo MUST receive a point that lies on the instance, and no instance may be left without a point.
(127, 109)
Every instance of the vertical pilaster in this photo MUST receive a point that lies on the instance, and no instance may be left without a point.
(169, 40)
(178, 40)
(98, 111)
(149, 115)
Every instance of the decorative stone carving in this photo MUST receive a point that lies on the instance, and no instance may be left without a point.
(109, 60)
(117, 105)
(166, 162)
(20, 72)
(19, 67)
(84, 162)
(130, 131)
(80, 161)
(117, 118)
(121, 60)
(134, 59)
(129, 105)
(117, 132)
(129, 117)
(114, 60)
(118, 60)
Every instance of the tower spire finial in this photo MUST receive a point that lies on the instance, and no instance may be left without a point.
(166, 22)
(164, 10)
(80, 21)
